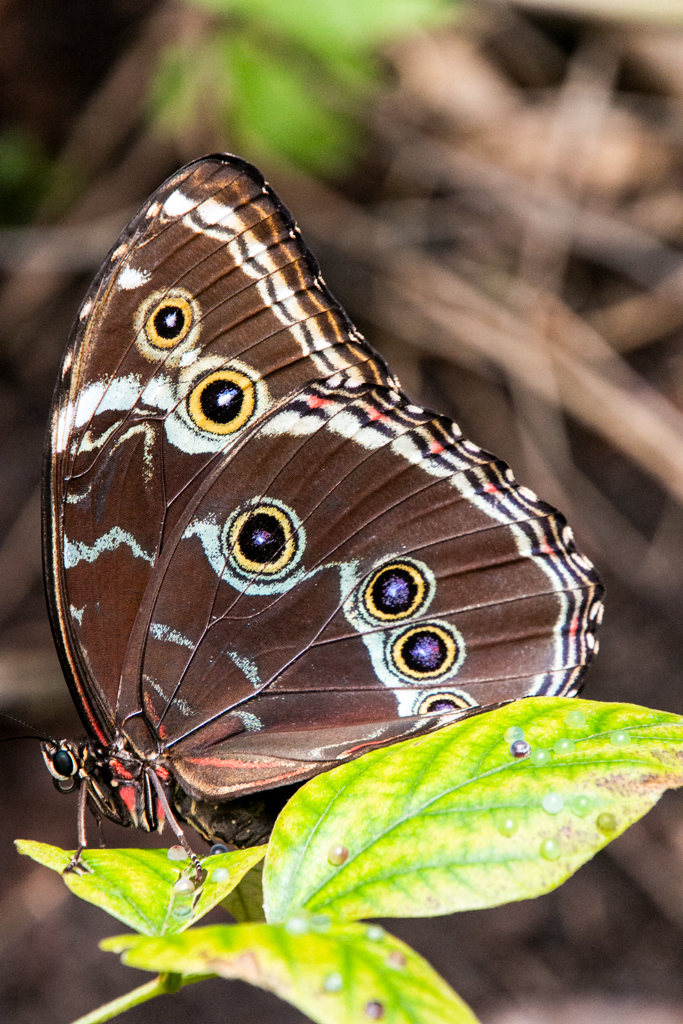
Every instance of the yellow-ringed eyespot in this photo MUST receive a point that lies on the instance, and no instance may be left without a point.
(425, 652)
(396, 591)
(169, 322)
(443, 702)
(222, 402)
(263, 540)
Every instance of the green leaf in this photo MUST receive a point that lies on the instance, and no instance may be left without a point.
(136, 886)
(284, 79)
(25, 173)
(245, 902)
(276, 110)
(330, 973)
(451, 821)
(327, 26)
(191, 82)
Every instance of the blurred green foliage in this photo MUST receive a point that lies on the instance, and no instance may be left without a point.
(24, 175)
(285, 78)
(273, 79)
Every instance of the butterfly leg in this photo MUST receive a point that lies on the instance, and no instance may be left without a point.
(171, 819)
(76, 864)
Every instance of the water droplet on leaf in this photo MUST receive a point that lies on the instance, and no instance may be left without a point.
(581, 805)
(337, 854)
(333, 982)
(606, 822)
(374, 932)
(374, 1010)
(177, 853)
(550, 849)
(552, 803)
(514, 733)
(539, 756)
(218, 848)
(620, 738)
(507, 823)
(396, 959)
(297, 925)
(565, 746)
(575, 719)
(220, 875)
(183, 910)
(184, 886)
(520, 748)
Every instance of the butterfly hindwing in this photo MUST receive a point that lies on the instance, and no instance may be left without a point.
(401, 588)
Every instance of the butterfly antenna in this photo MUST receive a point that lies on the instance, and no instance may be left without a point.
(36, 735)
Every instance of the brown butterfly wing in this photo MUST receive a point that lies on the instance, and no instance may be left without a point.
(210, 273)
(261, 672)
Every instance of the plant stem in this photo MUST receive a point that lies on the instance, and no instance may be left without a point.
(158, 987)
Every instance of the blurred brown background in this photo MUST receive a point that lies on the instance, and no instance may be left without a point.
(495, 193)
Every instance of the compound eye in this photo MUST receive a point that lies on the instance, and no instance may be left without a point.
(397, 591)
(169, 322)
(64, 764)
(263, 540)
(425, 652)
(222, 402)
(441, 704)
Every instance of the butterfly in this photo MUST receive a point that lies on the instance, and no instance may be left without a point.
(262, 559)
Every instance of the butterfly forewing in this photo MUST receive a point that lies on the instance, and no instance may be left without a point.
(211, 292)
(265, 559)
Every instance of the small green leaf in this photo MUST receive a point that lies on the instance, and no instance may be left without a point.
(343, 975)
(245, 902)
(285, 79)
(276, 110)
(25, 171)
(452, 821)
(327, 25)
(140, 887)
(191, 80)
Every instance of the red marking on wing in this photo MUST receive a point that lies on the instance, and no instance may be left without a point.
(360, 746)
(92, 719)
(217, 762)
(316, 403)
(435, 448)
(273, 778)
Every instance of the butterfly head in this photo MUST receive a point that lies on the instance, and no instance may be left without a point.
(118, 786)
